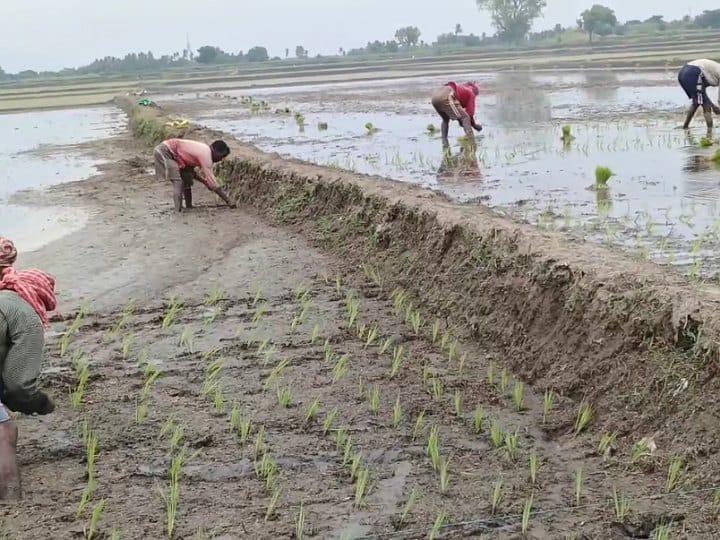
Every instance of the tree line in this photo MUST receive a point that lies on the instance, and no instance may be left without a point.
(512, 20)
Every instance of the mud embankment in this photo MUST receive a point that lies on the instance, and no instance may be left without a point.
(636, 340)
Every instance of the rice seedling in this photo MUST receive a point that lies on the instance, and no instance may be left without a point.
(95, 518)
(416, 322)
(275, 374)
(431, 129)
(504, 380)
(397, 413)
(86, 496)
(425, 375)
(567, 136)
(397, 360)
(172, 496)
(241, 424)
(579, 480)
(114, 534)
(458, 403)
(409, 507)
(706, 142)
(527, 513)
(496, 496)
(606, 442)
(374, 399)
(716, 156)
(76, 398)
(675, 473)
(548, 404)
(171, 312)
(444, 474)
(716, 505)
(478, 419)
(78, 360)
(177, 436)
(452, 351)
(533, 467)
(91, 447)
(496, 434)
(640, 451)
(215, 296)
(491, 374)
(437, 389)
(519, 396)
(445, 339)
(259, 315)
(419, 426)
(328, 351)
(440, 522)
(435, 332)
(433, 447)
(602, 175)
(218, 400)
(355, 466)
(511, 446)
(329, 422)
(258, 295)
(347, 451)
(584, 418)
(399, 297)
(371, 336)
(168, 427)
(127, 343)
(621, 505)
(386, 345)
(662, 532)
(340, 368)
(64, 344)
(362, 483)
(284, 396)
(312, 410)
(273, 504)
(322, 126)
(370, 128)
(259, 445)
(141, 412)
(461, 363)
(314, 334)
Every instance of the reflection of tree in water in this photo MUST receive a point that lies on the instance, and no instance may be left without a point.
(520, 100)
(601, 85)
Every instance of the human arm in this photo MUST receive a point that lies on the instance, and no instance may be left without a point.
(22, 365)
(206, 176)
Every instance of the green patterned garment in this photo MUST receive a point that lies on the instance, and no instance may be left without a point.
(22, 341)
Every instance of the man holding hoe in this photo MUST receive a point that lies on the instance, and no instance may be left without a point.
(176, 160)
(695, 77)
(26, 297)
(454, 101)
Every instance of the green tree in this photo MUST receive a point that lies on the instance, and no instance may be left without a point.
(599, 20)
(207, 54)
(408, 36)
(257, 54)
(512, 18)
(458, 29)
(708, 19)
(301, 52)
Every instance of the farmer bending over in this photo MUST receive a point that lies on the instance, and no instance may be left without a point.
(695, 77)
(25, 299)
(176, 159)
(457, 102)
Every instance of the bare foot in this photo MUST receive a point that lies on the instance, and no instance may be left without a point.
(10, 485)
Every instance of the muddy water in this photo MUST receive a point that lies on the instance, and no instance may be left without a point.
(34, 153)
(662, 202)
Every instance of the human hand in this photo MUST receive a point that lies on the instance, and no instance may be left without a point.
(716, 109)
(478, 128)
(38, 403)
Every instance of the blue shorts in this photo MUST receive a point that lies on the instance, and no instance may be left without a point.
(4, 416)
(693, 81)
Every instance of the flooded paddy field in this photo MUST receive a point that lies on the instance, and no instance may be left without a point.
(37, 150)
(662, 199)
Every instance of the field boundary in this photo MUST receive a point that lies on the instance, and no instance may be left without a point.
(591, 322)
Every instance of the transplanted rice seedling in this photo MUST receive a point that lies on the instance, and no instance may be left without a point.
(479, 419)
(218, 400)
(435, 332)
(322, 126)
(504, 380)
(328, 351)
(259, 441)
(329, 422)
(548, 404)
(171, 312)
(272, 505)
(370, 128)
(312, 410)
(371, 336)
(216, 294)
(240, 424)
(491, 374)
(440, 522)
(621, 505)
(584, 418)
(461, 363)
(437, 389)
(716, 505)
(675, 474)
(374, 399)
(141, 411)
(419, 426)
(95, 517)
(602, 175)
(533, 467)
(431, 129)
(76, 398)
(444, 474)
(519, 396)
(362, 484)
(314, 334)
(706, 142)
(284, 396)
(496, 434)
(496, 496)
(416, 322)
(397, 361)
(171, 497)
(340, 368)
(640, 452)
(662, 532)
(579, 479)
(397, 413)
(511, 446)
(386, 345)
(433, 447)
(275, 373)
(606, 442)
(409, 507)
(127, 343)
(452, 351)
(527, 513)
(91, 447)
(458, 403)
(187, 341)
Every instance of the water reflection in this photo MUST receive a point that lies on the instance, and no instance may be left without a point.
(520, 100)
(463, 166)
(601, 85)
(603, 201)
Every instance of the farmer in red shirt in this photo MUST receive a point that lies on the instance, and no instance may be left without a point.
(176, 160)
(457, 102)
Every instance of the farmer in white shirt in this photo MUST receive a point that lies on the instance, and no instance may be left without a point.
(695, 77)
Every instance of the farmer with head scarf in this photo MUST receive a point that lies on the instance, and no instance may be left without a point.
(176, 160)
(25, 299)
(454, 101)
(695, 77)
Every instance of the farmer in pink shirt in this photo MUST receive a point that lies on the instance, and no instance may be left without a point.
(182, 160)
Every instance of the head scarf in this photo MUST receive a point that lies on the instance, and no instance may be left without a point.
(36, 287)
(8, 253)
(474, 86)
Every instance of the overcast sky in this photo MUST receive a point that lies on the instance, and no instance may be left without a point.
(52, 34)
